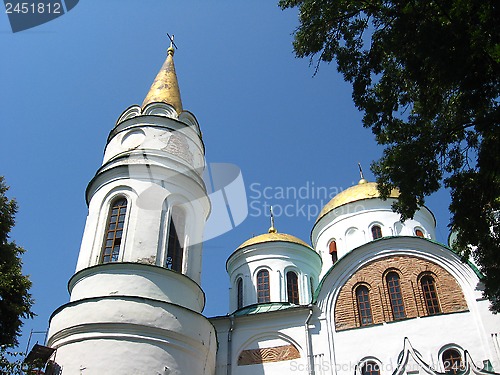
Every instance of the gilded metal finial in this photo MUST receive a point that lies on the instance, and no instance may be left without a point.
(165, 88)
(272, 229)
(362, 180)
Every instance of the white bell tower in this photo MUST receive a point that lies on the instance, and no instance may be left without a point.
(136, 302)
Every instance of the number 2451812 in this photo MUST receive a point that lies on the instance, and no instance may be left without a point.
(33, 8)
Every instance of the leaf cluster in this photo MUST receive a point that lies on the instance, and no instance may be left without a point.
(11, 362)
(426, 75)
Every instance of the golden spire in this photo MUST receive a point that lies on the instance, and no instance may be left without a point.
(165, 88)
(362, 180)
(272, 229)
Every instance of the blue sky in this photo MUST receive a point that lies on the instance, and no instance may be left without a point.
(65, 83)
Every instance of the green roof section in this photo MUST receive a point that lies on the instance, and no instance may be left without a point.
(264, 308)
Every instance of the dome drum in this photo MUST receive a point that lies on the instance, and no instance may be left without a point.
(285, 264)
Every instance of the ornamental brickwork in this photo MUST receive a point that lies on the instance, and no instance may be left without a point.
(410, 270)
(264, 355)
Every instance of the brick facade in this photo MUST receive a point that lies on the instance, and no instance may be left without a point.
(410, 270)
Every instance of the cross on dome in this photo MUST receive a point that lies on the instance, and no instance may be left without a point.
(272, 229)
(362, 178)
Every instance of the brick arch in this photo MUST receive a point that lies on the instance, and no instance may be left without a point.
(426, 273)
(361, 283)
(410, 269)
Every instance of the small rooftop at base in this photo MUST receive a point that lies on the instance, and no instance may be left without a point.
(264, 308)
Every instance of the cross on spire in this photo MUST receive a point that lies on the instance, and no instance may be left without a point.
(171, 38)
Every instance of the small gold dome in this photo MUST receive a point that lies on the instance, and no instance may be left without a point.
(363, 190)
(273, 237)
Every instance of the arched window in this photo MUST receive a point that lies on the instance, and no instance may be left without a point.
(332, 247)
(263, 292)
(364, 308)
(370, 368)
(376, 232)
(452, 361)
(430, 295)
(175, 244)
(419, 233)
(395, 296)
(239, 288)
(114, 231)
(292, 287)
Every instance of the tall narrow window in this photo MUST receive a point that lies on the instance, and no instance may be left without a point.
(430, 295)
(364, 308)
(292, 287)
(395, 296)
(175, 245)
(333, 251)
(239, 288)
(263, 292)
(114, 231)
(370, 368)
(376, 232)
(419, 233)
(311, 285)
(452, 361)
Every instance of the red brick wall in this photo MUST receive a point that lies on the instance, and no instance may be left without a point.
(410, 270)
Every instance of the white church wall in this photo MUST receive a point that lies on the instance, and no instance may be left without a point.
(470, 329)
(125, 279)
(155, 133)
(490, 323)
(427, 335)
(268, 336)
(145, 337)
(144, 239)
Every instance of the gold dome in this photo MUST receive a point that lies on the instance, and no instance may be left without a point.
(363, 190)
(273, 237)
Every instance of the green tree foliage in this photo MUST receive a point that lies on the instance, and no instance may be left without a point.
(11, 363)
(15, 299)
(425, 74)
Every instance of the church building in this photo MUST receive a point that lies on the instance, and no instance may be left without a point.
(370, 296)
